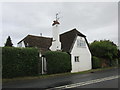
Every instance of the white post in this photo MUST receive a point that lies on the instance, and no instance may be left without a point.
(45, 65)
(42, 66)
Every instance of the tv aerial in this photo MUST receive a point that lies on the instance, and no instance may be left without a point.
(57, 18)
(57, 14)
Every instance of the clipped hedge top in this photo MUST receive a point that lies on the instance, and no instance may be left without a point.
(19, 62)
(56, 52)
(58, 62)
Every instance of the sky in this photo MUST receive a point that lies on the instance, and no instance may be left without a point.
(97, 20)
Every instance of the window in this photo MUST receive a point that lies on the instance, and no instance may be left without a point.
(76, 58)
(80, 43)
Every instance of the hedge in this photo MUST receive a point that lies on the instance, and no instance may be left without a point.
(57, 62)
(114, 62)
(17, 62)
(96, 63)
(119, 62)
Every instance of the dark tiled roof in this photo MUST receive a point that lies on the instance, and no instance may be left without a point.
(67, 40)
(43, 43)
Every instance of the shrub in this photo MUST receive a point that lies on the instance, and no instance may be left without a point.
(19, 62)
(104, 49)
(96, 63)
(118, 57)
(119, 62)
(115, 62)
(58, 62)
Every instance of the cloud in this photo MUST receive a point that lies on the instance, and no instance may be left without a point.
(107, 33)
(90, 15)
(22, 18)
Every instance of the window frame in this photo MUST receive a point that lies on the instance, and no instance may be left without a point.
(81, 43)
(76, 58)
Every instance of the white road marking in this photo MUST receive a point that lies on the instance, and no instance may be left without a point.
(84, 83)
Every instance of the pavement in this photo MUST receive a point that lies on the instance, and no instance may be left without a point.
(99, 79)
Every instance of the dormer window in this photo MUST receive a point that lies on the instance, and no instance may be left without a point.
(81, 43)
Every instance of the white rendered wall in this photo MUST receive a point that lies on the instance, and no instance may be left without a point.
(55, 32)
(21, 44)
(84, 57)
(56, 44)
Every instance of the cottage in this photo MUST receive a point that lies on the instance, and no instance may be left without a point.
(72, 42)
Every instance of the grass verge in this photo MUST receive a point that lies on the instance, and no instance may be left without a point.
(52, 75)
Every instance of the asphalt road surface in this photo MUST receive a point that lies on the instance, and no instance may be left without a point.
(100, 79)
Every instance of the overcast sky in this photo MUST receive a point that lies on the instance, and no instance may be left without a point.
(98, 21)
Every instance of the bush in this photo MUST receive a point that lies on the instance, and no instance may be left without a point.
(58, 62)
(104, 49)
(19, 62)
(114, 62)
(118, 57)
(96, 63)
(119, 62)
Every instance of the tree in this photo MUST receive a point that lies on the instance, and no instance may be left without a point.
(8, 42)
(104, 49)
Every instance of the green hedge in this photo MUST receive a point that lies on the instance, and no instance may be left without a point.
(114, 62)
(17, 62)
(57, 62)
(96, 63)
(119, 62)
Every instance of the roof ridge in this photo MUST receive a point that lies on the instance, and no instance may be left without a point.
(75, 31)
(34, 36)
(68, 31)
(39, 36)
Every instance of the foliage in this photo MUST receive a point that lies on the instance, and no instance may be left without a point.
(58, 62)
(8, 42)
(17, 62)
(96, 62)
(104, 49)
(119, 57)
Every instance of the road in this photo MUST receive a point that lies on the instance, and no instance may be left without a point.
(100, 79)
